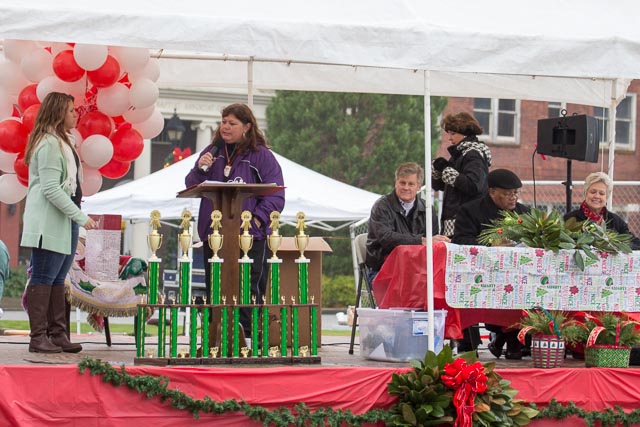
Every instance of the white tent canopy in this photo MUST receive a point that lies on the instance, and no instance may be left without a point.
(571, 51)
(330, 201)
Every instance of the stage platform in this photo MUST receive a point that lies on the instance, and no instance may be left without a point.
(39, 389)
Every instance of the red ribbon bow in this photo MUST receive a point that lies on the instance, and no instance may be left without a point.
(467, 381)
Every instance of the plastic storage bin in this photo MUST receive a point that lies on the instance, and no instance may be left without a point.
(397, 335)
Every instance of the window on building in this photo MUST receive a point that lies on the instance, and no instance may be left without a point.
(625, 123)
(498, 118)
(555, 109)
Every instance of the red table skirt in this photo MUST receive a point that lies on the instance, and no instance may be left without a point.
(402, 283)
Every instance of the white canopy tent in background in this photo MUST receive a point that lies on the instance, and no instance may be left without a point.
(577, 51)
(327, 203)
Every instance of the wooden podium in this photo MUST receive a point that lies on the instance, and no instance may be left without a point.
(228, 198)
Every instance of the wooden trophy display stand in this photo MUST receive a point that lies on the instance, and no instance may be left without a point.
(228, 198)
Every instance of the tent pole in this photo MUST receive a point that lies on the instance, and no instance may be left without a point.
(612, 137)
(250, 82)
(429, 204)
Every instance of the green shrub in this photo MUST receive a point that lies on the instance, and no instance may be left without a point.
(338, 291)
(14, 285)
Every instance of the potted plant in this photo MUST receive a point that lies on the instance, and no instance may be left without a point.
(550, 331)
(608, 339)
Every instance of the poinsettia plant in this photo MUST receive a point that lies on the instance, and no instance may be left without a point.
(539, 229)
(441, 389)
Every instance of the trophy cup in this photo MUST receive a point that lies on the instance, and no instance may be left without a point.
(185, 237)
(216, 239)
(154, 238)
(245, 239)
(302, 240)
(274, 238)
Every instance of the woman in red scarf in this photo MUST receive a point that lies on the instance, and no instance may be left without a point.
(597, 188)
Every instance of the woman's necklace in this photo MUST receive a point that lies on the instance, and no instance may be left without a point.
(227, 168)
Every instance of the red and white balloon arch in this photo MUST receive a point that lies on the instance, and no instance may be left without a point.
(115, 93)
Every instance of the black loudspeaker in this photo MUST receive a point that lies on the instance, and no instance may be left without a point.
(570, 137)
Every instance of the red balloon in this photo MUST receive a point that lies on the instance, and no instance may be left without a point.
(13, 136)
(29, 116)
(127, 144)
(107, 74)
(115, 169)
(28, 97)
(16, 112)
(21, 169)
(94, 122)
(66, 67)
(23, 181)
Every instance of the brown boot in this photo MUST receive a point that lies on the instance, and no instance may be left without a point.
(37, 305)
(58, 321)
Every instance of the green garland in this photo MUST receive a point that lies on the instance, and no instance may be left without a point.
(301, 415)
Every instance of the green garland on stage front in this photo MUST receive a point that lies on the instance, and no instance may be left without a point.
(158, 386)
(301, 415)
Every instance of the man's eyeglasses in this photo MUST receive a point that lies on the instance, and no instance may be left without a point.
(511, 194)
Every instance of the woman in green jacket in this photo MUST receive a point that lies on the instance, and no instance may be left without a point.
(51, 220)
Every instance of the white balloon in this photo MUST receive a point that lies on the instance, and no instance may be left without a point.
(56, 47)
(77, 90)
(90, 56)
(37, 65)
(50, 84)
(151, 127)
(6, 161)
(137, 115)
(143, 93)
(15, 50)
(11, 78)
(91, 181)
(150, 71)
(11, 191)
(113, 100)
(96, 151)
(131, 58)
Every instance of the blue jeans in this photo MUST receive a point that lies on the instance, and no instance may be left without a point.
(51, 268)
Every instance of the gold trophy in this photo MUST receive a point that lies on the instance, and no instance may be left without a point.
(245, 239)
(154, 238)
(216, 239)
(302, 240)
(274, 238)
(185, 237)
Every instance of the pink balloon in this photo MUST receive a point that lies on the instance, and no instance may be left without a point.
(113, 100)
(66, 67)
(127, 144)
(36, 65)
(91, 181)
(11, 190)
(15, 50)
(96, 151)
(50, 84)
(151, 127)
(143, 93)
(137, 115)
(150, 71)
(6, 161)
(90, 56)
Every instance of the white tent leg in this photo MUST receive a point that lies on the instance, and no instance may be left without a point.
(429, 204)
(612, 138)
(250, 82)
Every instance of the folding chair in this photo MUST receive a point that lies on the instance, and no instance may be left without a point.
(360, 243)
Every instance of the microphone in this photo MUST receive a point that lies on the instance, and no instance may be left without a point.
(214, 150)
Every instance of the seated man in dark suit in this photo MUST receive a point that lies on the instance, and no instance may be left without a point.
(475, 216)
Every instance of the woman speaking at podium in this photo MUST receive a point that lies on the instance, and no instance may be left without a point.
(239, 152)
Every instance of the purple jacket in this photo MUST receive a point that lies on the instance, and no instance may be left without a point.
(254, 167)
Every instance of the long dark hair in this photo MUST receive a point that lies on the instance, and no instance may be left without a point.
(50, 119)
(251, 138)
